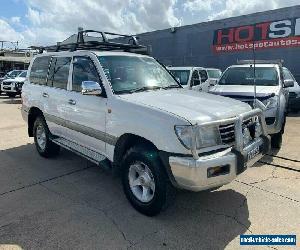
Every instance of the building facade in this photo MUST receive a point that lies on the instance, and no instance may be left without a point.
(273, 35)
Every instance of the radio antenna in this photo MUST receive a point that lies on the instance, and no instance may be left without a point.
(254, 73)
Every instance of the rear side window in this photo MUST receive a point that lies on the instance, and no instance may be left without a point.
(39, 70)
(59, 72)
(83, 70)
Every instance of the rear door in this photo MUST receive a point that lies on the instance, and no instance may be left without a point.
(86, 113)
(54, 95)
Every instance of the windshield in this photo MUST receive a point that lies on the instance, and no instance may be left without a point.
(182, 75)
(128, 74)
(214, 73)
(23, 74)
(265, 76)
(13, 73)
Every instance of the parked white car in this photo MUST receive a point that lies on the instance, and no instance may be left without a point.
(126, 111)
(10, 74)
(13, 86)
(272, 92)
(196, 78)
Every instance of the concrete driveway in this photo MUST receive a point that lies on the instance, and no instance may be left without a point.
(70, 203)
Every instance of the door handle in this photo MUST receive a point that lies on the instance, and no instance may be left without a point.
(45, 95)
(72, 102)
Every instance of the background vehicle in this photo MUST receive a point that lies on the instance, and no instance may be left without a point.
(10, 74)
(13, 86)
(125, 111)
(196, 78)
(294, 92)
(271, 92)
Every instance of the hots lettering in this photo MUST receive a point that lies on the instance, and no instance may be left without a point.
(267, 31)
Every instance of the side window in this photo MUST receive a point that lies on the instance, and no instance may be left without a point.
(83, 70)
(59, 72)
(39, 70)
(195, 78)
(203, 75)
(287, 75)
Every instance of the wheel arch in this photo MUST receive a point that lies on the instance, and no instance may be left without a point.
(125, 142)
(33, 113)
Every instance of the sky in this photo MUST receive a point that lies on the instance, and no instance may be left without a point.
(45, 22)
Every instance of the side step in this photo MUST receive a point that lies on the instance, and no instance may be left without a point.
(80, 150)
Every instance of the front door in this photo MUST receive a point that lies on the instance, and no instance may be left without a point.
(87, 114)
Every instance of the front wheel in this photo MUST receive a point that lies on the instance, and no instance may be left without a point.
(276, 140)
(145, 182)
(41, 134)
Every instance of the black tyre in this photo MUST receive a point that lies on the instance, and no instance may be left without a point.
(145, 182)
(44, 145)
(276, 140)
(11, 95)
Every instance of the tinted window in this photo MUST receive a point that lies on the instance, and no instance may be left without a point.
(39, 70)
(214, 73)
(182, 75)
(23, 74)
(59, 72)
(83, 70)
(264, 76)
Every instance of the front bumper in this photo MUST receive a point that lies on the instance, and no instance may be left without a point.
(192, 174)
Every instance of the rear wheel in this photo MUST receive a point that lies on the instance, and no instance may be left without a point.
(145, 182)
(41, 134)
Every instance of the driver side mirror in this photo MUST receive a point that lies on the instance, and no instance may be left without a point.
(91, 88)
(288, 83)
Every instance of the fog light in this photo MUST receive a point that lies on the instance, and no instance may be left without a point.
(216, 171)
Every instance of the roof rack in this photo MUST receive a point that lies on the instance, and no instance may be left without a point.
(276, 61)
(102, 44)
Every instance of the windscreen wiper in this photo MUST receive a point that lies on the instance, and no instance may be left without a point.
(144, 88)
(171, 86)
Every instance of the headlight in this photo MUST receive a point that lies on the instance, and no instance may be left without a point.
(206, 136)
(271, 102)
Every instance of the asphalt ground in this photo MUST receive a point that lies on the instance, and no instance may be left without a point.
(70, 203)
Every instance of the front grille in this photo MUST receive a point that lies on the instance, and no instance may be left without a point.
(227, 133)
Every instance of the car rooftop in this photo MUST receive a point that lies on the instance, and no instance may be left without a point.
(256, 65)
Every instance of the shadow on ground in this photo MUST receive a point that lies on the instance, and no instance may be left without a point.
(69, 198)
(10, 100)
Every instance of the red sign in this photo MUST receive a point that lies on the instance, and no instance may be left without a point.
(277, 34)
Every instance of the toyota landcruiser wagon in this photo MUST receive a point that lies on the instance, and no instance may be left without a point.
(123, 109)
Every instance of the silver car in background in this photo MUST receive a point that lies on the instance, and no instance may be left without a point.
(271, 92)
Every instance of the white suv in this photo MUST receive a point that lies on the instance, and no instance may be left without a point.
(125, 110)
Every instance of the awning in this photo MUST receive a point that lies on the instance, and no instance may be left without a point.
(15, 59)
